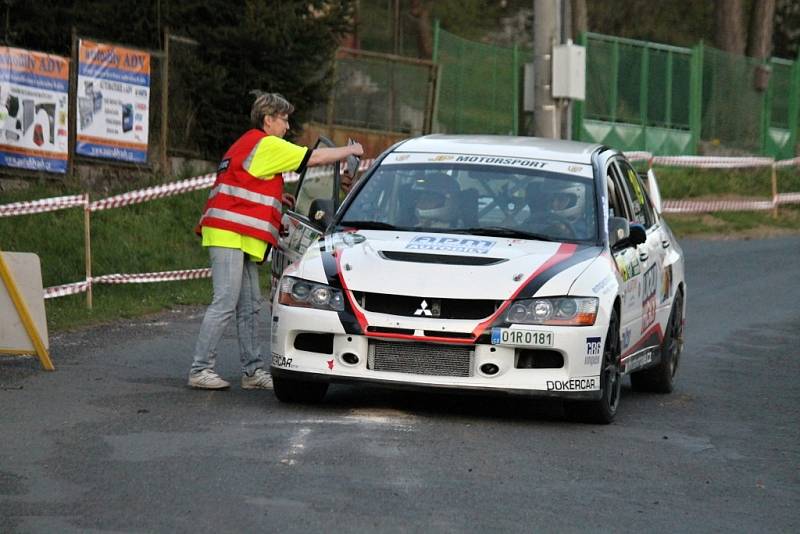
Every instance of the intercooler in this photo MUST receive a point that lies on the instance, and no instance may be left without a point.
(421, 358)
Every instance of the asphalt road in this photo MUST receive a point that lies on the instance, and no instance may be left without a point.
(114, 441)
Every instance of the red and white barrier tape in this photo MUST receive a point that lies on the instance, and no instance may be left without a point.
(707, 206)
(65, 289)
(140, 278)
(712, 162)
(42, 206)
(638, 155)
(788, 198)
(788, 162)
(152, 193)
(143, 278)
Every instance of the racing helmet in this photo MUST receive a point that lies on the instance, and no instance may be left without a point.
(564, 198)
(437, 198)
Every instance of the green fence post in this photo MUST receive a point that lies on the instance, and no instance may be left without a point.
(668, 84)
(696, 96)
(794, 105)
(766, 111)
(614, 81)
(436, 40)
(515, 100)
(643, 75)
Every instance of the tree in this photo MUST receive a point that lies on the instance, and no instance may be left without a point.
(762, 22)
(285, 46)
(729, 30)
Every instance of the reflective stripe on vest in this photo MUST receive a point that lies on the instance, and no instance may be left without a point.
(245, 194)
(245, 220)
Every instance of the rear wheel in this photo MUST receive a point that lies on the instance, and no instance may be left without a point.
(661, 377)
(603, 410)
(295, 390)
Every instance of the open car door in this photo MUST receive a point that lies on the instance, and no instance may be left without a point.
(317, 199)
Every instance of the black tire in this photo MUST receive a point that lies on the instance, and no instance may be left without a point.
(293, 390)
(661, 377)
(603, 410)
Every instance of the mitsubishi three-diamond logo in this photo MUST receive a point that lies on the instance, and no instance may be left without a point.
(423, 309)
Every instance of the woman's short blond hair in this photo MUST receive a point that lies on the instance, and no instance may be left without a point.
(267, 104)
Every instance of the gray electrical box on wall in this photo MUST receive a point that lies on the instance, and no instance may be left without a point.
(569, 71)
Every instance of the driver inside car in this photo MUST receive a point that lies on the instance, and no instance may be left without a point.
(437, 201)
(556, 207)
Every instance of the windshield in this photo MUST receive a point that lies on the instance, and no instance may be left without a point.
(476, 199)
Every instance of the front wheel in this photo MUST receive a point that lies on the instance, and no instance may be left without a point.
(293, 390)
(603, 410)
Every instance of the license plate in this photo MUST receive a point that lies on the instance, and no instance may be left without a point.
(523, 338)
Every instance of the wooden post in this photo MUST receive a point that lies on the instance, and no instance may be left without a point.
(774, 190)
(87, 244)
(165, 164)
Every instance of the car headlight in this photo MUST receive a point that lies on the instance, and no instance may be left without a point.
(574, 311)
(305, 294)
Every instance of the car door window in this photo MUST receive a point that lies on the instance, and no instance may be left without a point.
(640, 211)
(616, 193)
(316, 188)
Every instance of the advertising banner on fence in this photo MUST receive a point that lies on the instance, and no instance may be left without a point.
(113, 102)
(33, 110)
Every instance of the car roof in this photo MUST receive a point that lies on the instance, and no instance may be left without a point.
(503, 145)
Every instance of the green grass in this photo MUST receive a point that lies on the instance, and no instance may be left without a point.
(736, 224)
(675, 182)
(158, 236)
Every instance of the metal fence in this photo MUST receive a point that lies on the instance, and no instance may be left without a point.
(672, 100)
(478, 86)
(379, 92)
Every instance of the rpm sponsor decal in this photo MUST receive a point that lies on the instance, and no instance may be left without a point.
(574, 384)
(593, 350)
(649, 297)
(666, 283)
(450, 244)
(281, 361)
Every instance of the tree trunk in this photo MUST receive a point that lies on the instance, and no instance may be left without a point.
(580, 18)
(729, 31)
(422, 13)
(762, 22)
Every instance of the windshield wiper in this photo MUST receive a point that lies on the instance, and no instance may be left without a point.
(502, 231)
(367, 225)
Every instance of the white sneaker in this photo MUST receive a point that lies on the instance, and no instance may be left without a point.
(260, 380)
(207, 379)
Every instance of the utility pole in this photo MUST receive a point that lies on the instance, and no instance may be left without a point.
(546, 120)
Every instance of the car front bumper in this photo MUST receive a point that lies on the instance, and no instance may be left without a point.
(351, 358)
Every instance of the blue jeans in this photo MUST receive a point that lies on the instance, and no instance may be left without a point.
(235, 280)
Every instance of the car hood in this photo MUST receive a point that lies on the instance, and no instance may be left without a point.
(445, 265)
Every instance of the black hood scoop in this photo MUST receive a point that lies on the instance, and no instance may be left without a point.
(442, 259)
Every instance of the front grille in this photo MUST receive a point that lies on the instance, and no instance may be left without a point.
(420, 358)
(434, 307)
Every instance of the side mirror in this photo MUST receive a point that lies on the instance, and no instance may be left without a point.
(618, 231)
(320, 212)
(638, 235)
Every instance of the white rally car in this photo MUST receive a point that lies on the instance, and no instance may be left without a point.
(481, 263)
